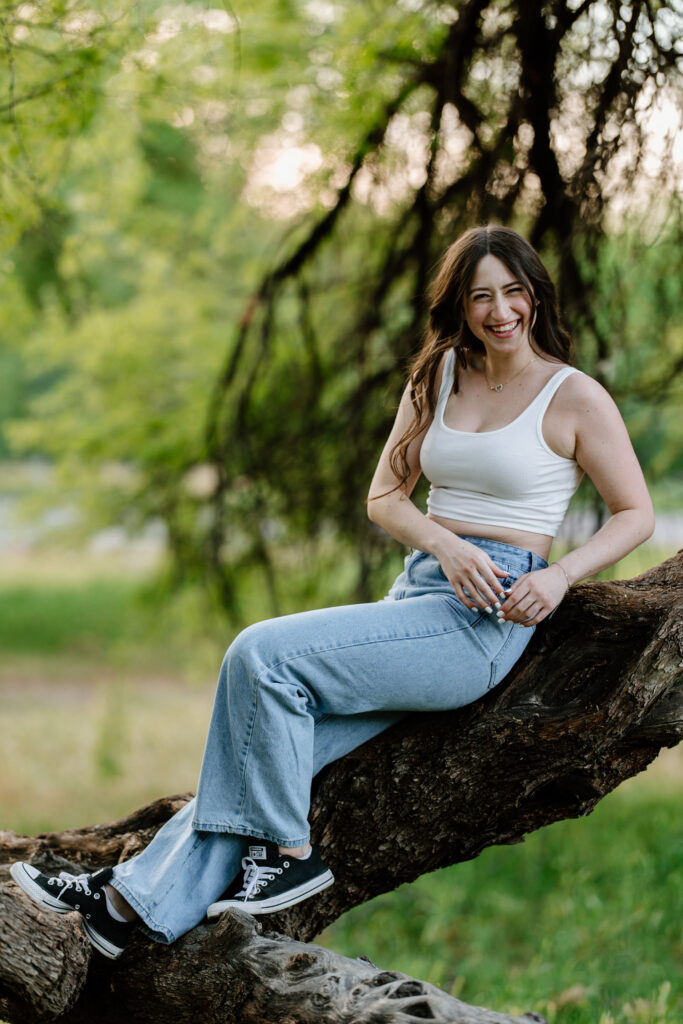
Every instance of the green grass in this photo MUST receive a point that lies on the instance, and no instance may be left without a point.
(88, 617)
(80, 752)
(581, 923)
(80, 613)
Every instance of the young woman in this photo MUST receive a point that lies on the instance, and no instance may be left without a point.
(503, 427)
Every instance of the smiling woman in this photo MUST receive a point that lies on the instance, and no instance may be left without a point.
(503, 427)
(498, 306)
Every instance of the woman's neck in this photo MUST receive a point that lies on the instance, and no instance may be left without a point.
(500, 367)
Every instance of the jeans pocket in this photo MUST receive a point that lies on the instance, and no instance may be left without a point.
(414, 559)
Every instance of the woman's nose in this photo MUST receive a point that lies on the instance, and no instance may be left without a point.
(501, 308)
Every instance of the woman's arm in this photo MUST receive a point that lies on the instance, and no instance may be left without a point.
(465, 565)
(604, 452)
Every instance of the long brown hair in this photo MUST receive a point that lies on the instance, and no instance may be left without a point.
(447, 328)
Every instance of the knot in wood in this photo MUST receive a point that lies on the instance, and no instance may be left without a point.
(384, 978)
(407, 989)
(422, 1010)
(301, 962)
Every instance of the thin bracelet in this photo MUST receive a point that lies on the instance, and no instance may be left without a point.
(565, 573)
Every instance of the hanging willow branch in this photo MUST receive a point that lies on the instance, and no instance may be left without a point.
(510, 171)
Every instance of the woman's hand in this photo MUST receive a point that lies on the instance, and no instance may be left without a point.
(535, 595)
(474, 576)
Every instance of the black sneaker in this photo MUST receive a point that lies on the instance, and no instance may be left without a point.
(273, 881)
(83, 893)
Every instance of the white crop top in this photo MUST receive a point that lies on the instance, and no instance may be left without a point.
(505, 477)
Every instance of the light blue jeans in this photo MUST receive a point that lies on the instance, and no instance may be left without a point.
(297, 692)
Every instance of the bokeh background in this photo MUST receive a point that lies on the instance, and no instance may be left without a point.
(217, 227)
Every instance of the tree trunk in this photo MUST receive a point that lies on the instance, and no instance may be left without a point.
(594, 698)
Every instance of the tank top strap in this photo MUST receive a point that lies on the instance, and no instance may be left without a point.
(446, 385)
(544, 398)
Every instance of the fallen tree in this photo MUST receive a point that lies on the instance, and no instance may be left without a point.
(596, 696)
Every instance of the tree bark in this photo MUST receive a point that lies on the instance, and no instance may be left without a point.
(594, 698)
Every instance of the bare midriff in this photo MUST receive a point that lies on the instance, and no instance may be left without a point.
(539, 543)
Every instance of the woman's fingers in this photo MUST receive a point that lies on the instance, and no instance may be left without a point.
(462, 596)
(534, 616)
(489, 583)
(475, 577)
(521, 610)
(485, 588)
(533, 597)
(480, 587)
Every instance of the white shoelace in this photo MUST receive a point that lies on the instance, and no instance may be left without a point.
(254, 877)
(66, 881)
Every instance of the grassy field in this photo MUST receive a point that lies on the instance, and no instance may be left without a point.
(581, 923)
(105, 697)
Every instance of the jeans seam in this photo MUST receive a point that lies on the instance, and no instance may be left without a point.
(504, 646)
(247, 745)
(362, 643)
(248, 832)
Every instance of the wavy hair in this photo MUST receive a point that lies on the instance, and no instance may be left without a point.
(447, 328)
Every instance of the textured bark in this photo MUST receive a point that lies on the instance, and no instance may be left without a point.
(595, 697)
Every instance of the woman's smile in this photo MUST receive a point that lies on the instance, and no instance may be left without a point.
(505, 330)
(498, 307)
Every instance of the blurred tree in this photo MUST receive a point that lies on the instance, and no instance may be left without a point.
(558, 118)
(155, 156)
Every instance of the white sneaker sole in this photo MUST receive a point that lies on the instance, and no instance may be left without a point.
(274, 903)
(25, 881)
(105, 947)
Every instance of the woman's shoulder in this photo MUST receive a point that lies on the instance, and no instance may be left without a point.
(440, 369)
(583, 395)
(580, 385)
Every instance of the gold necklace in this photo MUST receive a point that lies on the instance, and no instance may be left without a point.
(499, 387)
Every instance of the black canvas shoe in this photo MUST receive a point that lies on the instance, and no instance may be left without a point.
(273, 881)
(83, 893)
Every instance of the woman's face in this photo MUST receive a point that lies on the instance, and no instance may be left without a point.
(498, 308)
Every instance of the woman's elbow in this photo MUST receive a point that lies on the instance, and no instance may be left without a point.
(647, 524)
(373, 507)
(378, 504)
(642, 523)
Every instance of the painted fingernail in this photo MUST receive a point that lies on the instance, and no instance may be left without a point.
(488, 609)
(497, 605)
(500, 615)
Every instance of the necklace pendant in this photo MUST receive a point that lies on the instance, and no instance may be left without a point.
(496, 387)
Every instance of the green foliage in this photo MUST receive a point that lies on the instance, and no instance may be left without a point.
(640, 303)
(89, 617)
(578, 924)
(158, 158)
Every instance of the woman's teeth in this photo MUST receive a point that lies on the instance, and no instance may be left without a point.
(504, 329)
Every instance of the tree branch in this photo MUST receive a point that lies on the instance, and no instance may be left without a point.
(572, 721)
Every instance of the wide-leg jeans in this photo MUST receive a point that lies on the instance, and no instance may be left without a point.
(297, 692)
